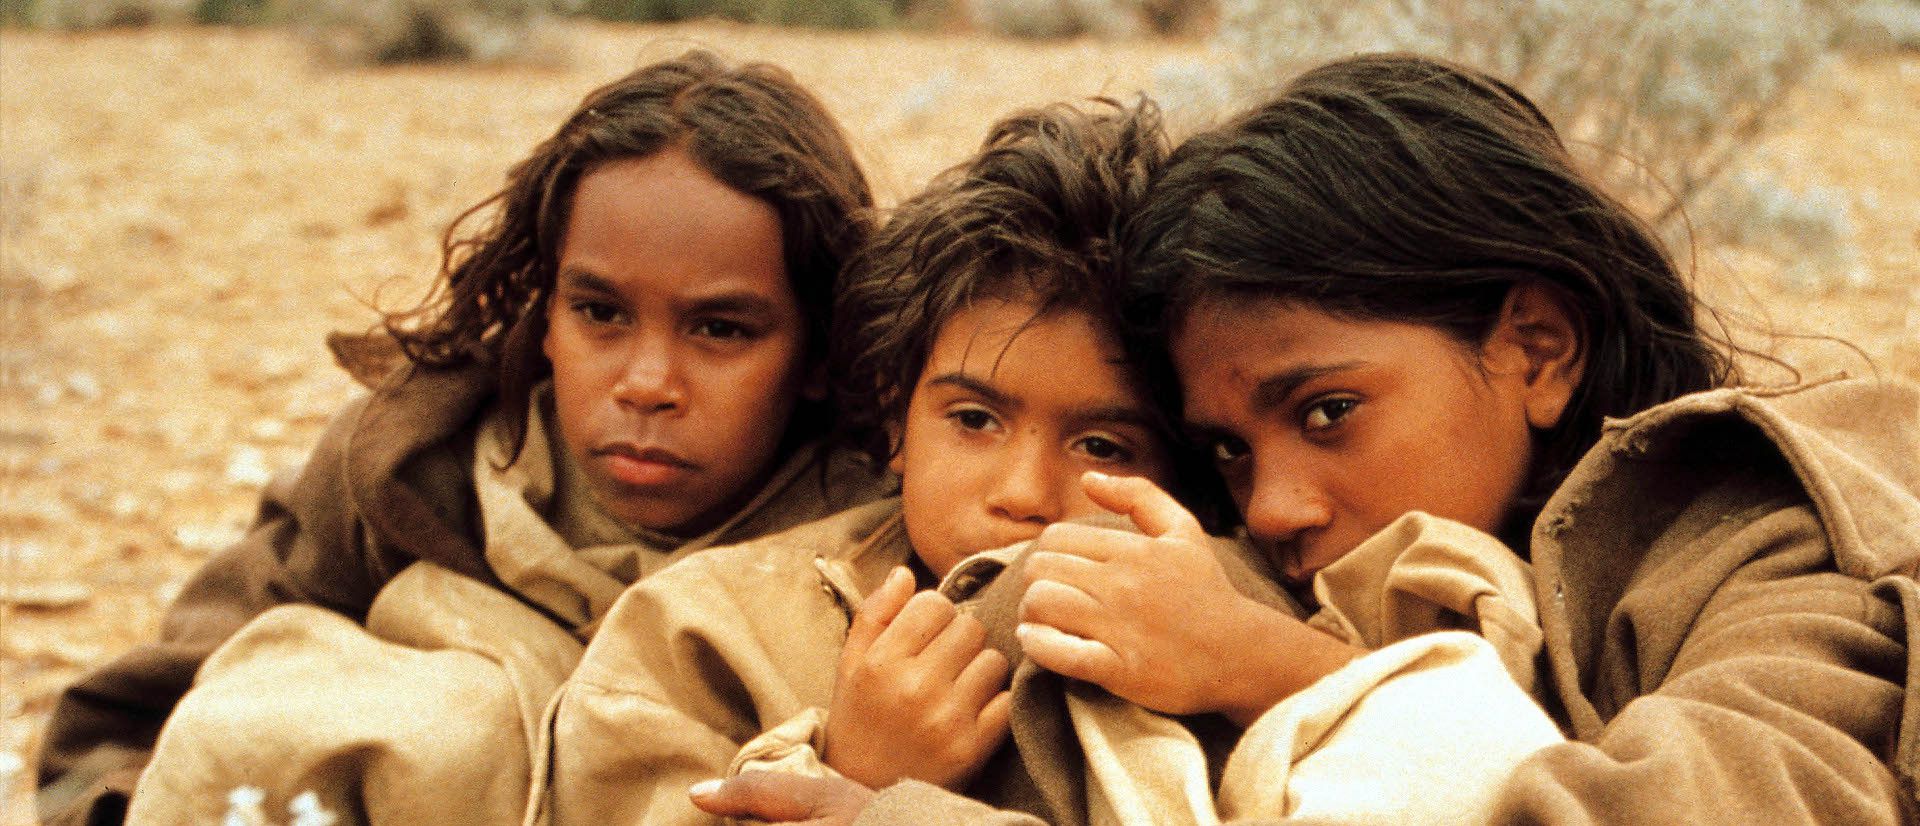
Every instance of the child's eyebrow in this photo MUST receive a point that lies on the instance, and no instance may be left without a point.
(977, 387)
(1273, 391)
(729, 302)
(741, 303)
(1119, 413)
(583, 280)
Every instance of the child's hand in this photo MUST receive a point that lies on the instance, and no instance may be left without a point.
(1154, 619)
(777, 797)
(919, 695)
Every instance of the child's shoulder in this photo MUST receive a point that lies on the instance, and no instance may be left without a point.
(777, 561)
(767, 588)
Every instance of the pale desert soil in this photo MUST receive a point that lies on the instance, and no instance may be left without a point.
(188, 212)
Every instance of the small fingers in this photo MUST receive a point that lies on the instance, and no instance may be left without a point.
(1067, 655)
(980, 682)
(954, 647)
(769, 796)
(878, 610)
(1066, 569)
(1155, 511)
(994, 721)
(1087, 541)
(1063, 607)
(926, 615)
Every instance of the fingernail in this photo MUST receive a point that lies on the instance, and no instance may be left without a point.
(704, 788)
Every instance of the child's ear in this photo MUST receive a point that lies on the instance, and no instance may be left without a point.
(1538, 340)
(896, 455)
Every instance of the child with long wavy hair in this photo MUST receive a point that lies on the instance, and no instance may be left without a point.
(622, 365)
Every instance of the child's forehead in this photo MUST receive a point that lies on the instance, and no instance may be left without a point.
(1027, 353)
(992, 326)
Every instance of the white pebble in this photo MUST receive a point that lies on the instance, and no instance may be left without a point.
(307, 811)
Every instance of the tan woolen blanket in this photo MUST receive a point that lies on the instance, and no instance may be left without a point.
(430, 713)
(426, 715)
(1450, 613)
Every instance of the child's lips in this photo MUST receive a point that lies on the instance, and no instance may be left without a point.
(643, 467)
(1288, 563)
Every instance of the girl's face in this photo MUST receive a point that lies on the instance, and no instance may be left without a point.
(678, 347)
(1010, 409)
(1327, 429)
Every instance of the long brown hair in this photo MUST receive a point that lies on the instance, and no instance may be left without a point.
(1403, 188)
(752, 127)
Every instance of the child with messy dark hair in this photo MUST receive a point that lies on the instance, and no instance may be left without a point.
(622, 364)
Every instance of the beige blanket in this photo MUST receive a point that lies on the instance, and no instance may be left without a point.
(431, 712)
(426, 715)
(1450, 612)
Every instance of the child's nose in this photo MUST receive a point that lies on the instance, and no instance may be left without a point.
(1282, 505)
(1024, 489)
(650, 381)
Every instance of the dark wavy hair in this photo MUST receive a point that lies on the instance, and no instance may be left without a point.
(752, 126)
(1035, 214)
(1403, 188)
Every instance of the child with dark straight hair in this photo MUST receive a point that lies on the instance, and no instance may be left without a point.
(622, 364)
(1388, 295)
(978, 356)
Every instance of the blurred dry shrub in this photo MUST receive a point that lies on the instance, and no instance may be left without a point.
(1881, 26)
(96, 14)
(835, 14)
(352, 32)
(1077, 18)
(1660, 99)
(1660, 95)
(1809, 230)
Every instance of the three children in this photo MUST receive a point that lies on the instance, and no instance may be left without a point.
(978, 354)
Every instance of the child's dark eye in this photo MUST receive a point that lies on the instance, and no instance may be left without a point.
(1229, 449)
(1105, 449)
(1326, 413)
(721, 328)
(598, 312)
(973, 418)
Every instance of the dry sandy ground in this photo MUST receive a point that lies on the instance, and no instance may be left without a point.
(188, 212)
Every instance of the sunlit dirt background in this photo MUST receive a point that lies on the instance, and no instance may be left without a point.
(188, 212)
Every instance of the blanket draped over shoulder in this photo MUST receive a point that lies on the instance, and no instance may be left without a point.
(1728, 621)
(430, 711)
